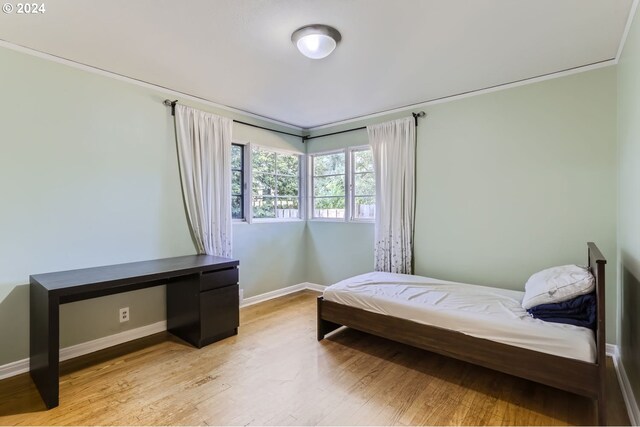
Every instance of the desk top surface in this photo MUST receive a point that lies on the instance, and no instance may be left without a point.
(131, 272)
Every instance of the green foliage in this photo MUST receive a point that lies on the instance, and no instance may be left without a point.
(363, 161)
(328, 164)
(276, 182)
(236, 156)
(329, 203)
(328, 181)
(328, 186)
(365, 184)
(237, 160)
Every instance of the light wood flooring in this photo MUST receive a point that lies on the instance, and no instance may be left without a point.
(275, 372)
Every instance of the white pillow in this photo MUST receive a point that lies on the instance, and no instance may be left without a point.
(557, 284)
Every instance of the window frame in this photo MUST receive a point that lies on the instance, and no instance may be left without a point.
(349, 179)
(352, 184)
(311, 184)
(243, 182)
(246, 180)
(301, 188)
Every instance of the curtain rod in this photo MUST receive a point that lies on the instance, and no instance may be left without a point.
(172, 104)
(307, 137)
(304, 138)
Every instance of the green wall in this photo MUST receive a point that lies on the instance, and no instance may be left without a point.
(629, 204)
(89, 176)
(508, 183)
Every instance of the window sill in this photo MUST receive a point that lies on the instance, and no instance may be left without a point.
(275, 220)
(353, 221)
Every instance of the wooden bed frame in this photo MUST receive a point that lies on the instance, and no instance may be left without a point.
(583, 378)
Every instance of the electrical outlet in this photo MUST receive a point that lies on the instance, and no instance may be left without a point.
(124, 314)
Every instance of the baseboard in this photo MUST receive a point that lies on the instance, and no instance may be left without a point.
(280, 292)
(22, 366)
(625, 386)
(111, 340)
(314, 287)
(14, 368)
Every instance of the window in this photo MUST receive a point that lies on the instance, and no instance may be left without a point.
(237, 181)
(275, 189)
(364, 184)
(343, 185)
(329, 185)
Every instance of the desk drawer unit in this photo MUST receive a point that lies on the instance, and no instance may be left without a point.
(218, 279)
(204, 308)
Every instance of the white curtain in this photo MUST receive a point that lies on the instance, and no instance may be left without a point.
(204, 155)
(394, 146)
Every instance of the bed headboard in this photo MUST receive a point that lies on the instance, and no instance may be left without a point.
(596, 263)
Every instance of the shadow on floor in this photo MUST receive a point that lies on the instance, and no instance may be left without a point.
(19, 395)
(494, 385)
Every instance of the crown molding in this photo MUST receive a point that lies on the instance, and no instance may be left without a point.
(496, 88)
(627, 28)
(423, 104)
(142, 83)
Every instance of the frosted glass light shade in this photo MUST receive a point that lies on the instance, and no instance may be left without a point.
(316, 41)
(316, 46)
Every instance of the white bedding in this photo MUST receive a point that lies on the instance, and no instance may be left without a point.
(483, 312)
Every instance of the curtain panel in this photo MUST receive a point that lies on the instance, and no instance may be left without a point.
(204, 156)
(393, 146)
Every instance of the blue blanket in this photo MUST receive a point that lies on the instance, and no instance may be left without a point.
(579, 311)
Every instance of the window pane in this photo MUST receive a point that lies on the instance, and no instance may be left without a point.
(275, 186)
(287, 207)
(236, 207)
(365, 208)
(287, 186)
(236, 182)
(263, 161)
(328, 164)
(329, 186)
(328, 207)
(363, 161)
(264, 207)
(287, 164)
(365, 184)
(264, 184)
(236, 156)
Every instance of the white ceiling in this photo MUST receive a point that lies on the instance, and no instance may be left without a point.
(239, 53)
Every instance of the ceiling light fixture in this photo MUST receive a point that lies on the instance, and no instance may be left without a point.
(316, 41)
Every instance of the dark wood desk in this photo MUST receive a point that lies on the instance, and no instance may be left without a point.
(202, 304)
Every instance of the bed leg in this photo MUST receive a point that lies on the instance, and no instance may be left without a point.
(601, 409)
(324, 326)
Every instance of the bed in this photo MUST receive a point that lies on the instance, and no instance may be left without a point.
(567, 357)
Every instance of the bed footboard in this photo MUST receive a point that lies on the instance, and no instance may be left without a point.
(324, 326)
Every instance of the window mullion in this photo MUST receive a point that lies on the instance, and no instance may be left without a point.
(310, 193)
(348, 184)
(249, 172)
(302, 171)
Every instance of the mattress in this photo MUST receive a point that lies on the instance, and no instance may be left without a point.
(483, 312)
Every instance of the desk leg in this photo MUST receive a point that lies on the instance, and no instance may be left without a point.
(44, 342)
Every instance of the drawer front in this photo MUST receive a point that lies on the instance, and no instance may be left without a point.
(218, 279)
(219, 311)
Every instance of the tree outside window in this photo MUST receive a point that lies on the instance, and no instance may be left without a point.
(329, 186)
(276, 184)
